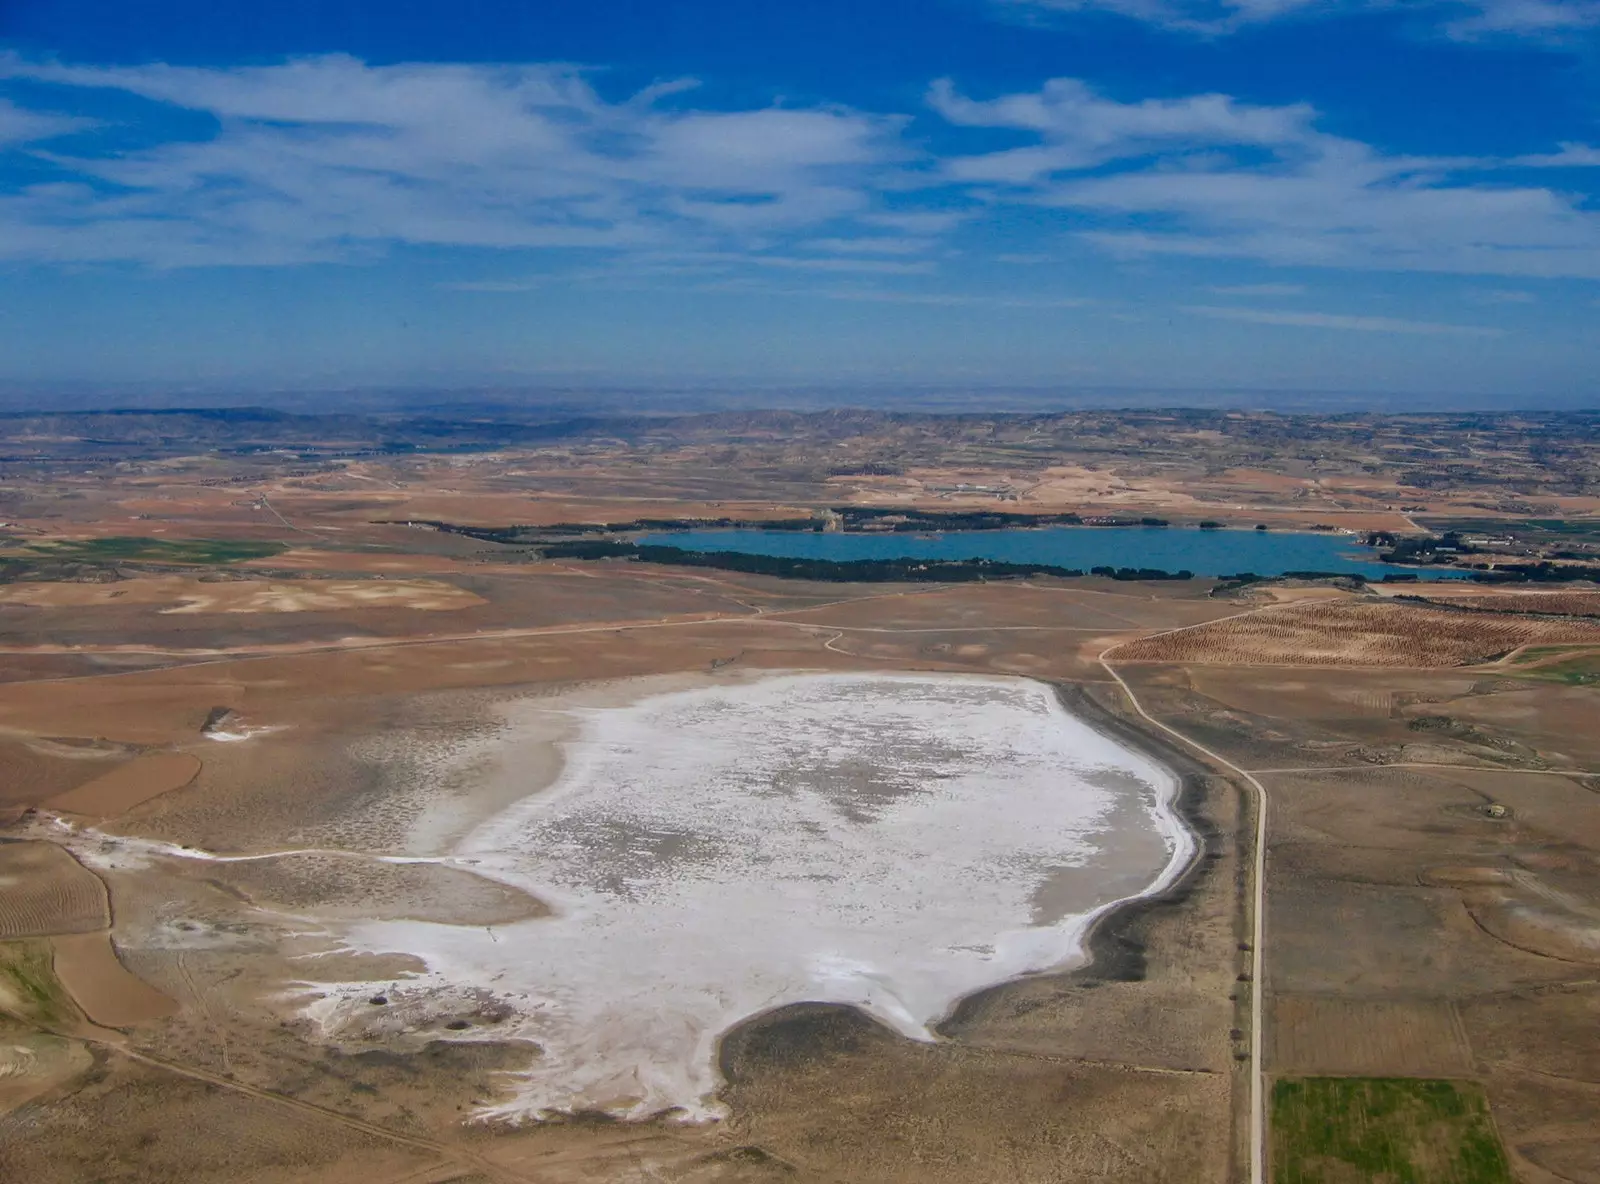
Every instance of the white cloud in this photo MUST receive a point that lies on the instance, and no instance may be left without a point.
(21, 126)
(328, 158)
(1080, 129)
(1209, 176)
(1526, 18)
(1571, 156)
(1323, 320)
(1461, 19)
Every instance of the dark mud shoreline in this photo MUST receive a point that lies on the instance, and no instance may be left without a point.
(1116, 943)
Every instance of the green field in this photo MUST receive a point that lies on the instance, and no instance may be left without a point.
(148, 550)
(1581, 669)
(1383, 1130)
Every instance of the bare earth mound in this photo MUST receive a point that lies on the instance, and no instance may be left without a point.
(1354, 633)
(44, 890)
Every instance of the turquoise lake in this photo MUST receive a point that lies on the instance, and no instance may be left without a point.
(1172, 548)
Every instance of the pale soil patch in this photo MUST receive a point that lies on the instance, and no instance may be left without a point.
(44, 890)
(1354, 633)
(102, 986)
(1294, 595)
(129, 785)
(187, 595)
(1322, 1035)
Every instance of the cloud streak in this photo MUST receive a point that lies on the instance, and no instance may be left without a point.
(1352, 324)
(1464, 20)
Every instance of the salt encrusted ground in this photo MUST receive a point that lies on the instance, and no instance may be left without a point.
(890, 841)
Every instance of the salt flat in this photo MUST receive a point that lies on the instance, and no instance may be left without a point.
(894, 842)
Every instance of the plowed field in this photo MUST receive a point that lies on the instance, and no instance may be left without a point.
(44, 890)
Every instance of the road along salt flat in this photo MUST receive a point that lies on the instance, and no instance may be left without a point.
(894, 842)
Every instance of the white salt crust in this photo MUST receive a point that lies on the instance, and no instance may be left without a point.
(710, 854)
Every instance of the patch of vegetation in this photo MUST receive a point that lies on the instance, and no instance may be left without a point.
(1326, 1130)
(29, 988)
(148, 550)
(1580, 670)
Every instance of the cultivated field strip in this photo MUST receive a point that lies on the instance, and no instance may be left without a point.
(1572, 604)
(45, 891)
(1313, 1035)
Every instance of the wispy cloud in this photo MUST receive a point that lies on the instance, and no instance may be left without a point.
(1259, 290)
(1323, 320)
(1459, 19)
(325, 158)
(333, 160)
(953, 299)
(1571, 156)
(1496, 296)
(1209, 176)
(21, 126)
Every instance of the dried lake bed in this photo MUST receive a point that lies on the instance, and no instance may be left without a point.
(715, 847)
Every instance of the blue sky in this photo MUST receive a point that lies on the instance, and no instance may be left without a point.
(1384, 196)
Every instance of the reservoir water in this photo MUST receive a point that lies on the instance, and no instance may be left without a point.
(1204, 552)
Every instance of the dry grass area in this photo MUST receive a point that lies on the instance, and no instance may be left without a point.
(1433, 898)
(1354, 633)
(44, 890)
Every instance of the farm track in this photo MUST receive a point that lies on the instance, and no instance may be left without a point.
(1258, 876)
